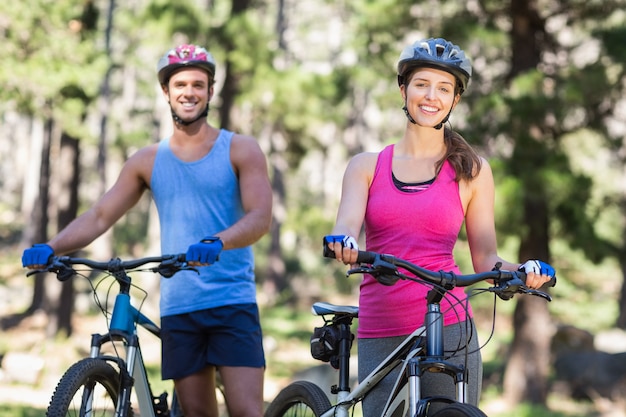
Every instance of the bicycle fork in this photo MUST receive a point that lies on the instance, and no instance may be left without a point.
(434, 362)
(132, 371)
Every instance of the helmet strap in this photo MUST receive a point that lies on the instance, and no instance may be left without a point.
(178, 120)
(445, 119)
(408, 115)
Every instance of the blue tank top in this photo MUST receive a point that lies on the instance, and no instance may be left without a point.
(194, 200)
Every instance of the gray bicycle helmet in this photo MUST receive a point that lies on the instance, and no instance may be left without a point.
(185, 56)
(436, 53)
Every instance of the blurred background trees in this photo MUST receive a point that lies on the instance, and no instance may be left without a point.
(315, 82)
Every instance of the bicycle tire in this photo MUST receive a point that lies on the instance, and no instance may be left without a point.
(82, 379)
(299, 399)
(459, 410)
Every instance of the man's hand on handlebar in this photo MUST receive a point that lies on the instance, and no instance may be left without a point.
(345, 248)
(37, 257)
(205, 252)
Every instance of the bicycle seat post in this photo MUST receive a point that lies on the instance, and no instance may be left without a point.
(344, 358)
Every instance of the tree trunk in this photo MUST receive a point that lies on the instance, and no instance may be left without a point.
(275, 280)
(67, 204)
(231, 86)
(39, 215)
(526, 374)
(621, 318)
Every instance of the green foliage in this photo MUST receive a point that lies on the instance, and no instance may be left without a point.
(171, 17)
(35, 69)
(533, 410)
(20, 411)
(544, 130)
(613, 41)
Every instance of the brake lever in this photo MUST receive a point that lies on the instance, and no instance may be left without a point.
(508, 291)
(62, 271)
(168, 268)
(530, 291)
(360, 270)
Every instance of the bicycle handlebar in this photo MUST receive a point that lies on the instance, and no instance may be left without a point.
(384, 268)
(62, 265)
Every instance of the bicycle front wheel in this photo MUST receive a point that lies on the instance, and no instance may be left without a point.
(90, 387)
(299, 399)
(459, 410)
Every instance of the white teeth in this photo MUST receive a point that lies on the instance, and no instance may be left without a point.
(189, 104)
(428, 108)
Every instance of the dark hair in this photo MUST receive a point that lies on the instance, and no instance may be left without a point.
(463, 158)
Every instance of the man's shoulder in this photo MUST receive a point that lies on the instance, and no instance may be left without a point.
(143, 160)
(242, 139)
(148, 152)
(244, 143)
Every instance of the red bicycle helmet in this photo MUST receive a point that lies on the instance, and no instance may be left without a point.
(185, 56)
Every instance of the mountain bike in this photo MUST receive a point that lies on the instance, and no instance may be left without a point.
(422, 351)
(101, 384)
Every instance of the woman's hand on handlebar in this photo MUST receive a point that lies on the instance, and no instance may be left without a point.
(344, 247)
(537, 273)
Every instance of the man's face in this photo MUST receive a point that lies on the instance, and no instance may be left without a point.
(188, 92)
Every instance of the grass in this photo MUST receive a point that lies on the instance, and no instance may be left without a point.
(8, 410)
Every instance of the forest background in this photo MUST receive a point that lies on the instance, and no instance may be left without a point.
(315, 83)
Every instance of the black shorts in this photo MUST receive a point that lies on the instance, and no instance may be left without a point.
(222, 336)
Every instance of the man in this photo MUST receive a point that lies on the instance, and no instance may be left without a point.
(214, 199)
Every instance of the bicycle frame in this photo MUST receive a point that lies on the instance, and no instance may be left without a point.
(118, 373)
(420, 352)
(123, 327)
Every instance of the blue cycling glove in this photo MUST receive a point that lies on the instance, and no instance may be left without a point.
(346, 241)
(207, 251)
(39, 254)
(538, 267)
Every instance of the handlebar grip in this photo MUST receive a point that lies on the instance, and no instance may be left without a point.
(364, 257)
(328, 253)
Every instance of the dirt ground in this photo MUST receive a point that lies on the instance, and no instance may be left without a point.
(31, 365)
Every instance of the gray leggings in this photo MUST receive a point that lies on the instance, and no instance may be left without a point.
(373, 351)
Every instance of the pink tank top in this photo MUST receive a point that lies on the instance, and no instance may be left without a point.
(421, 227)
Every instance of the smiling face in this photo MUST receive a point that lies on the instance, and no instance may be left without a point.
(430, 94)
(188, 92)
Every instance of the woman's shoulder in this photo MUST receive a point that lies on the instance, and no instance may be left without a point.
(372, 157)
(364, 161)
(364, 157)
(484, 168)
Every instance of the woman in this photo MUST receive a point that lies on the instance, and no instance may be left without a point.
(413, 198)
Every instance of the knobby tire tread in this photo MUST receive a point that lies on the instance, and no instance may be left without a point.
(459, 410)
(291, 399)
(75, 377)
